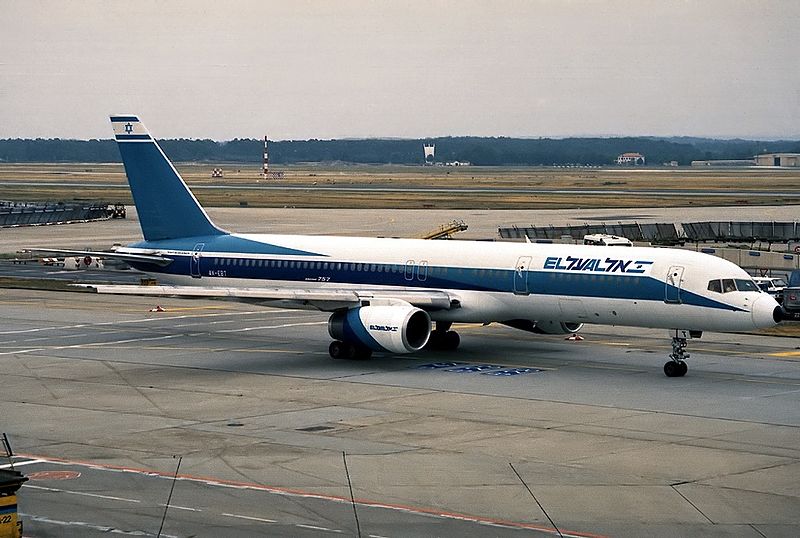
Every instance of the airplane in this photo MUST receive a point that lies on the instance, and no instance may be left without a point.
(403, 295)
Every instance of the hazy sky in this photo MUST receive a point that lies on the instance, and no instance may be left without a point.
(332, 69)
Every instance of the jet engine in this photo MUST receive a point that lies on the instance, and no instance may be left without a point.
(397, 328)
(544, 326)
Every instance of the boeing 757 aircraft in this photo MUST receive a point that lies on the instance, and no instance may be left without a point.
(403, 295)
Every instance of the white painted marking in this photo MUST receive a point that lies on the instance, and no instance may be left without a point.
(250, 518)
(140, 320)
(315, 528)
(84, 524)
(283, 326)
(19, 464)
(187, 508)
(91, 344)
(82, 493)
(22, 351)
(376, 536)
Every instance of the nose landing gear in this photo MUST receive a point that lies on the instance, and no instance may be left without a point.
(676, 367)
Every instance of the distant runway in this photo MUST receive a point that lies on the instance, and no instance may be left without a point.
(513, 435)
(415, 189)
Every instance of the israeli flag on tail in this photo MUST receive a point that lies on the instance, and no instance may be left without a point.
(167, 208)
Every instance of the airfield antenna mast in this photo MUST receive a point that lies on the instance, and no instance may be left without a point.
(265, 171)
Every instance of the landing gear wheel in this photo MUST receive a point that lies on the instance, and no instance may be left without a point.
(346, 350)
(443, 340)
(451, 340)
(337, 349)
(361, 353)
(675, 369)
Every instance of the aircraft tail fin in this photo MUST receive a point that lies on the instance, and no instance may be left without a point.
(167, 208)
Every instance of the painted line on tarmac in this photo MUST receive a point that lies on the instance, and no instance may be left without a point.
(290, 492)
(92, 526)
(315, 528)
(141, 320)
(19, 464)
(250, 518)
(82, 493)
(282, 326)
(785, 354)
(91, 344)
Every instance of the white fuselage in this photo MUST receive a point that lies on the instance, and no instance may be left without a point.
(493, 281)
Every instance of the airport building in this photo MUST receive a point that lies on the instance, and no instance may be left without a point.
(778, 159)
(630, 158)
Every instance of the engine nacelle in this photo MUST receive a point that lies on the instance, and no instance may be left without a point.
(557, 327)
(544, 326)
(397, 328)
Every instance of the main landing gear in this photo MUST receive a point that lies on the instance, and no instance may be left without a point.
(347, 350)
(443, 338)
(676, 367)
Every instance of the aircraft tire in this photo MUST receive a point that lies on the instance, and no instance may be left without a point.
(362, 353)
(337, 349)
(451, 340)
(675, 369)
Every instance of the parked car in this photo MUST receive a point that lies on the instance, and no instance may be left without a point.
(791, 296)
(773, 286)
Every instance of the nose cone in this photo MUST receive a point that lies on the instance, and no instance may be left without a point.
(766, 312)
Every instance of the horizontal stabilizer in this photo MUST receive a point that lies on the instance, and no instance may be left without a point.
(110, 255)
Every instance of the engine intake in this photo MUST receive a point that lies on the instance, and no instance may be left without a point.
(395, 328)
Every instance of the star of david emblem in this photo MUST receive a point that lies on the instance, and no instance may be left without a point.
(128, 128)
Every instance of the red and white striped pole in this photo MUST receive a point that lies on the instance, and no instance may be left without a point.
(265, 172)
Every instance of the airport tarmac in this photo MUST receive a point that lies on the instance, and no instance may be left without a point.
(512, 435)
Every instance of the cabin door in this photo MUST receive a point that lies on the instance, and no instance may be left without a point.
(521, 275)
(672, 290)
(195, 263)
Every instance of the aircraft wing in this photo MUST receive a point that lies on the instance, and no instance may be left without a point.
(321, 299)
(122, 256)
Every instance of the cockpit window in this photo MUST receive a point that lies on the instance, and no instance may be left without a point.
(746, 285)
(728, 285)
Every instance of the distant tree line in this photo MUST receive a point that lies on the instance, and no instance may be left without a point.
(476, 150)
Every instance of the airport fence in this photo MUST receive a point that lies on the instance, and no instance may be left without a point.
(653, 233)
(32, 213)
(666, 233)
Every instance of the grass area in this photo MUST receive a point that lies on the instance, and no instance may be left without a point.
(107, 182)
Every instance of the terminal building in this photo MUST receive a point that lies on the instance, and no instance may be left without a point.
(778, 159)
(630, 158)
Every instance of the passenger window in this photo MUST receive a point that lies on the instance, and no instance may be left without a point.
(715, 286)
(728, 285)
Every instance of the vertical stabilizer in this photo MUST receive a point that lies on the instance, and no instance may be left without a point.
(167, 208)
